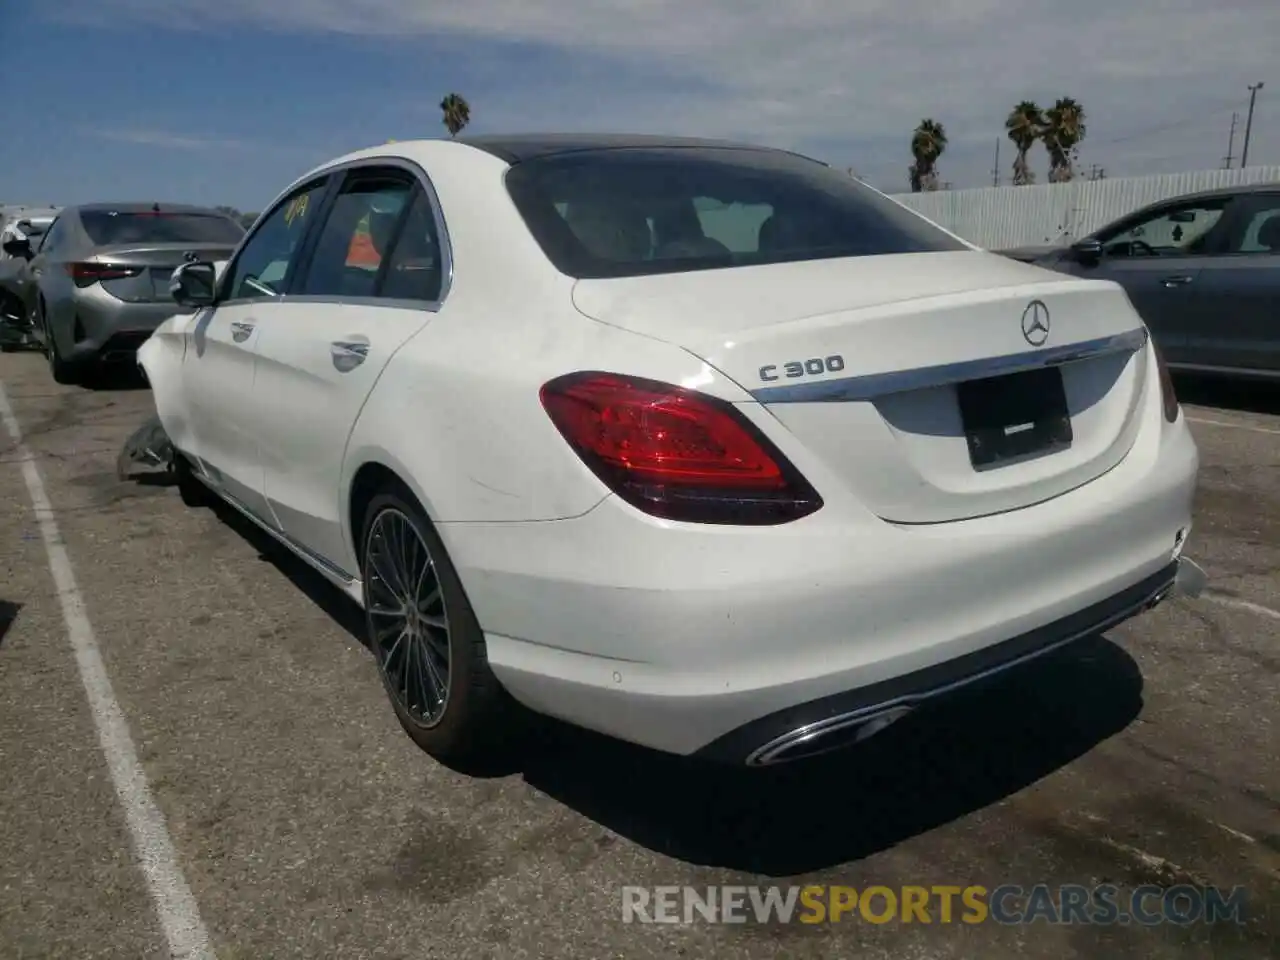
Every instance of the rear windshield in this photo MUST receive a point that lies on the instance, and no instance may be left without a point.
(631, 212)
(107, 227)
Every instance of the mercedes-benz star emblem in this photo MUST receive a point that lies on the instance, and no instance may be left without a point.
(1035, 323)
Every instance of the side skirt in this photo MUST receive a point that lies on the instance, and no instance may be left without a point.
(352, 586)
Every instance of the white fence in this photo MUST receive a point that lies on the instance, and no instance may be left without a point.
(996, 217)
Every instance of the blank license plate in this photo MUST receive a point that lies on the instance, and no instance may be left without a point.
(1014, 417)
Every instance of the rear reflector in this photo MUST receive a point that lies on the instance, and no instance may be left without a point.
(675, 453)
(87, 274)
(1167, 394)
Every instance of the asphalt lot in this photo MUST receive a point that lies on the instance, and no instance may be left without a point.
(307, 825)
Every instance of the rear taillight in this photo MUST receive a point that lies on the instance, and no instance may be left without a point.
(675, 453)
(87, 274)
(1167, 393)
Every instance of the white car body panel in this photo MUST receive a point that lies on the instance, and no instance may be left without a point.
(672, 634)
(311, 376)
(883, 315)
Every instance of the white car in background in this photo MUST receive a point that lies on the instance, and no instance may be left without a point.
(24, 223)
(706, 447)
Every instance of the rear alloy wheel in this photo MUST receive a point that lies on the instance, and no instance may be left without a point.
(424, 635)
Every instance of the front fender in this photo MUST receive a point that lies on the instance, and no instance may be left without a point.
(160, 358)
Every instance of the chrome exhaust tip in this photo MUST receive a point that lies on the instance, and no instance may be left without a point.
(827, 736)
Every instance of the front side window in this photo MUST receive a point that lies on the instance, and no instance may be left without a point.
(262, 267)
(1182, 231)
(109, 227)
(1261, 232)
(630, 212)
(356, 236)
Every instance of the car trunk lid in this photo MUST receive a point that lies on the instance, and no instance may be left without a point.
(144, 270)
(911, 377)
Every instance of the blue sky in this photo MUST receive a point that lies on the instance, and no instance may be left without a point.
(226, 101)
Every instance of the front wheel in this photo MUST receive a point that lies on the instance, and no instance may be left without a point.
(429, 647)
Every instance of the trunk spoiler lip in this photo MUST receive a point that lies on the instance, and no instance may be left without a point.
(873, 385)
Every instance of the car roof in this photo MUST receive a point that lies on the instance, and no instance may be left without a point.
(517, 148)
(1218, 192)
(458, 160)
(138, 206)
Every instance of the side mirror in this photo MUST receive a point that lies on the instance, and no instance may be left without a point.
(194, 284)
(18, 247)
(1087, 251)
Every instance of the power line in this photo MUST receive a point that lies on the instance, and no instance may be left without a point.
(1173, 124)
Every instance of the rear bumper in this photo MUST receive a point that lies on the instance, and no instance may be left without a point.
(95, 325)
(823, 725)
(676, 636)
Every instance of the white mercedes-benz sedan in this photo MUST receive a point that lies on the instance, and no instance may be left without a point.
(707, 447)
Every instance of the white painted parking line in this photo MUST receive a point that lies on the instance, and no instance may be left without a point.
(1233, 426)
(178, 912)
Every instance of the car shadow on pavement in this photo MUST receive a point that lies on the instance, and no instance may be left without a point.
(1250, 396)
(931, 768)
(319, 591)
(927, 770)
(115, 376)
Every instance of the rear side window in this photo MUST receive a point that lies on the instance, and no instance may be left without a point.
(54, 236)
(359, 229)
(106, 227)
(416, 268)
(630, 212)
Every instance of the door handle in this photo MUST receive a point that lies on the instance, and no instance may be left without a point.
(349, 354)
(240, 330)
(1179, 281)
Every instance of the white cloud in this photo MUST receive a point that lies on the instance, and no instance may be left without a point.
(163, 139)
(858, 75)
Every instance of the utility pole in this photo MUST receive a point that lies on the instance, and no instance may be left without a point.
(1231, 141)
(1248, 124)
(995, 168)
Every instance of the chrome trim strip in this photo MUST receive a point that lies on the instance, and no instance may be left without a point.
(767, 754)
(303, 553)
(873, 385)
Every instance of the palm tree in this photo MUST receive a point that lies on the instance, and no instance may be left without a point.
(927, 144)
(1063, 130)
(457, 113)
(1024, 126)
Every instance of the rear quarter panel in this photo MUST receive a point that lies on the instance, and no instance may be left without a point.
(457, 413)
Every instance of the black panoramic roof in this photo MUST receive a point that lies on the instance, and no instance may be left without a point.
(517, 148)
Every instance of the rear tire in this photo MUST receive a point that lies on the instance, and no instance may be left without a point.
(66, 372)
(467, 725)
